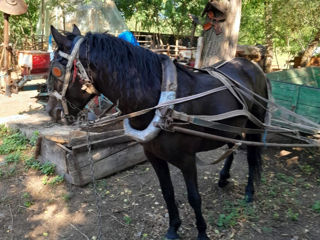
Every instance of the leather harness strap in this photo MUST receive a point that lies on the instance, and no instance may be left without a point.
(213, 124)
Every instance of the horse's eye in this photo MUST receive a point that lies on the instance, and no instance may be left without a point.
(56, 71)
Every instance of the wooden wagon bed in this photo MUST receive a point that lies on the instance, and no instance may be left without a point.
(298, 90)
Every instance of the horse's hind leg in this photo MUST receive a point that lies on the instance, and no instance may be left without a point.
(255, 166)
(162, 170)
(225, 171)
(189, 171)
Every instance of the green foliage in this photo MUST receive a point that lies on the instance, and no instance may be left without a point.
(12, 170)
(285, 178)
(32, 163)
(13, 157)
(27, 200)
(169, 16)
(4, 131)
(127, 219)
(67, 197)
(22, 28)
(292, 215)
(47, 168)
(316, 207)
(306, 169)
(34, 138)
(45, 180)
(233, 212)
(56, 180)
(15, 142)
(294, 23)
(228, 220)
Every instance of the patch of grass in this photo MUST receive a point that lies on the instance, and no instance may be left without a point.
(12, 170)
(267, 230)
(27, 202)
(276, 216)
(285, 178)
(316, 207)
(14, 142)
(34, 138)
(56, 180)
(26, 195)
(66, 197)
(127, 219)
(233, 212)
(32, 163)
(101, 184)
(8, 171)
(45, 180)
(13, 157)
(292, 215)
(4, 131)
(306, 169)
(227, 220)
(47, 168)
(307, 186)
(272, 191)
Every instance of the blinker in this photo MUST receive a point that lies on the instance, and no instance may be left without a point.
(56, 71)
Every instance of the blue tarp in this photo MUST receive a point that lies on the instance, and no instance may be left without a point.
(128, 36)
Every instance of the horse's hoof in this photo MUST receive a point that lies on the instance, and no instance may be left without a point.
(248, 198)
(223, 183)
(172, 235)
(205, 237)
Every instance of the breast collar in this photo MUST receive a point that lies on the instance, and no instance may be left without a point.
(73, 60)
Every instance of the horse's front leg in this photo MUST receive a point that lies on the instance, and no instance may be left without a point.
(189, 171)
(162, 170)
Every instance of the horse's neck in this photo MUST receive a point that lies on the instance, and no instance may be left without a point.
(138, 99)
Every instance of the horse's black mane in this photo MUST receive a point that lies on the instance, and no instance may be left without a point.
(131, 69)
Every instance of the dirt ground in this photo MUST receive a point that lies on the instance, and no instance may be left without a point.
(286, 206)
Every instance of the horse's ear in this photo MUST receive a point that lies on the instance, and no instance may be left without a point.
(76, 30)
(61, 40)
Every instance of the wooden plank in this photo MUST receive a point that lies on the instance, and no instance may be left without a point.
(50, 152)
(58, 139)
(80, 137)
(98, 154)
(110, 165)
(310, 112)
(101, 143)
(104, 128)
(302, 76)
(310, 96)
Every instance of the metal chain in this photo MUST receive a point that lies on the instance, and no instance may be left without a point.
(94, 186)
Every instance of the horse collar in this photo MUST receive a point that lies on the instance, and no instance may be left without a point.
(168, 92)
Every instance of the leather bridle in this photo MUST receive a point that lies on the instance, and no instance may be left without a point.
(79, 70)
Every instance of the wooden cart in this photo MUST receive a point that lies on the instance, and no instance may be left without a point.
(298, 90)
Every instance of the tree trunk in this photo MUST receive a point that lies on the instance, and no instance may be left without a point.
(308, 52)
(222, 46)
(269, 41)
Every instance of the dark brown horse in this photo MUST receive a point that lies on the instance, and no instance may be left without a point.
(131, 76)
